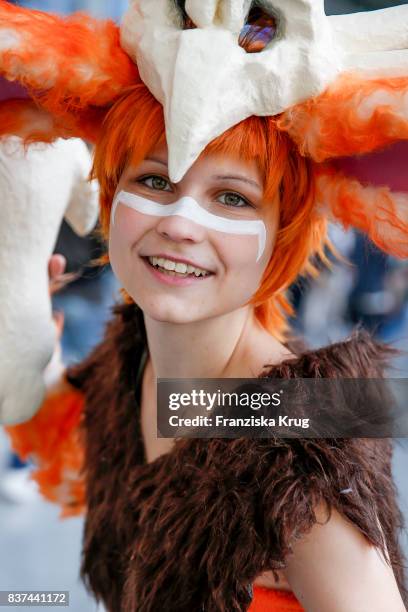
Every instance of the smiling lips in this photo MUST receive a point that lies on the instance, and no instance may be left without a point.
(177, 268)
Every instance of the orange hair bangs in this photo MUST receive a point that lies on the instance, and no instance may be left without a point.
(135, 125)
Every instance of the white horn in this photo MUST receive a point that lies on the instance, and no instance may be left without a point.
(36, 187)
(378, 64)
(370, 31)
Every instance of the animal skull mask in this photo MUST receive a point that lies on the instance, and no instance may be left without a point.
(207, 82)
(202, 93)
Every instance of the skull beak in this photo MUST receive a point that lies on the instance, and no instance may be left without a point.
(204, 97)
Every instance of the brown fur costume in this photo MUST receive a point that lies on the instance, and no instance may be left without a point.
(192, 529)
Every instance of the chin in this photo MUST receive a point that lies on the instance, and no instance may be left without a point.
(170, 316)
(164, 310)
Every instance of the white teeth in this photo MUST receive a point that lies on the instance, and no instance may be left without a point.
(179, 267)
(169, 265)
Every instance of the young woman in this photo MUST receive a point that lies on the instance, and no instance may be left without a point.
(207, 228)
(208, 524)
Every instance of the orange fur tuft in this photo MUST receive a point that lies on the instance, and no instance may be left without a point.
(32, 123)
(377, 211)
(52, 439)
(23, 118)
(355, 115)
(69, 65)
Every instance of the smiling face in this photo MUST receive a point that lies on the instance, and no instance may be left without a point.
(216, 271)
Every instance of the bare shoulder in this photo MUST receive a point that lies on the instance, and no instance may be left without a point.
(334, 567)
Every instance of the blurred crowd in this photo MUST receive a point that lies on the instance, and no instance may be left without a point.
(364, 287)
(98, 8)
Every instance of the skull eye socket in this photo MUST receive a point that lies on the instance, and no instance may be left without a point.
(186, 22)
(259, 30)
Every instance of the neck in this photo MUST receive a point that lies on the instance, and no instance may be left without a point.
(202, 349)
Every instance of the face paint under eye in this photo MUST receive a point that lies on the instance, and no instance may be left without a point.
(188, 208)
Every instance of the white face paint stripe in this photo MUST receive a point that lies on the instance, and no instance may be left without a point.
(188, 208)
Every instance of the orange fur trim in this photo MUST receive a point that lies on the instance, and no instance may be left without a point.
(354, 115)
(69, 65)
(271, 600)
(377, 211)
(52, 439)
(32, 123)
(23, 118)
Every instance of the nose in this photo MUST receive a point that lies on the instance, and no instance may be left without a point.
(180, 229)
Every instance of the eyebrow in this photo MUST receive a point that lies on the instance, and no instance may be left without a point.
(219, 177)
(158, 161)
(243, 179)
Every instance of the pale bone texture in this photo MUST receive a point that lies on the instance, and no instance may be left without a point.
(39, 186)
(203, 94)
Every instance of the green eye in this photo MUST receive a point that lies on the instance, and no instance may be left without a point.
(233, 199)
(156, 182)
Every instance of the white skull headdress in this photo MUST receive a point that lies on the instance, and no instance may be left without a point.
(207, 82)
